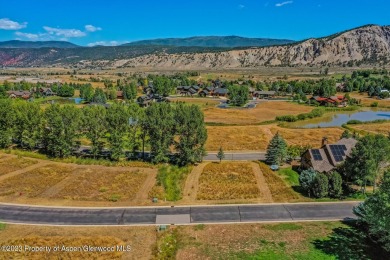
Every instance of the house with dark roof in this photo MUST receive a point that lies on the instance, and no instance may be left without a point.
(46, 92)
(220, 92)
(329, 156)
(207, 91)
(263, 94)
(187, 90)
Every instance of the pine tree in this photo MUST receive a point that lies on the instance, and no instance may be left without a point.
(276, 150)
(220, 154)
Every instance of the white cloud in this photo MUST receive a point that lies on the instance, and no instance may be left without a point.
(91, 28)
(30, 36)
(67, 33)
(7, 24)
(106, 43)
(241, 6)
(284, 3)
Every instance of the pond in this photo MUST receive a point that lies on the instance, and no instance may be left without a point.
(340, 118)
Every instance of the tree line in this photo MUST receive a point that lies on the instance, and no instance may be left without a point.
(57, 130)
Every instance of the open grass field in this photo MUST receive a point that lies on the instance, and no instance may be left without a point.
(202, 102)
(228, 180)
(378, 128)
(235, 138)
(367, 101)
(140, 239)
(280, 190)
(14, 164)
(103, 184)
(33, 183)
(310, 240)
(265, 111)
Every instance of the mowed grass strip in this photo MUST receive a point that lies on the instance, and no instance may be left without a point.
(264, 111)
(228, 180)
(103, 184)
(278, 187)
(14, 164)
(236, 138)
(33, 183)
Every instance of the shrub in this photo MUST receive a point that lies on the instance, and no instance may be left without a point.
(306, 180)
(320, 186)
(354, 122)
(374, 104)
(335, 185)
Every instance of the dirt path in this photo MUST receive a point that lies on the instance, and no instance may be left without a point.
(192, 183)
(142, 195)
(29, 168)
(262, 184)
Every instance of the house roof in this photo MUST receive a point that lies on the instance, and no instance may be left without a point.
(329, 156)
(221, 90)
(264, 92)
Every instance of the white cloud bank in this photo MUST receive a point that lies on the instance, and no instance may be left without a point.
(67, 33)
(7, 24)
(91, 28)
(284, 3)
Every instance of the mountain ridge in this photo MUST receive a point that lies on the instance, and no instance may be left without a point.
(37, 44)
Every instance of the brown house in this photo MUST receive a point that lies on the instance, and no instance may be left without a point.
(19, 94)
(329, 156)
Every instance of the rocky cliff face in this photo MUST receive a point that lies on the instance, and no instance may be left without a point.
(366, 45)
(370, 44)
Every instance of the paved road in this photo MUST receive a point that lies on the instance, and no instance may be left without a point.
(176, 215)
(236, 156)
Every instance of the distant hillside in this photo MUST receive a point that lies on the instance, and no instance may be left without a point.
(37, 44)
(213, 41)
(369, 45)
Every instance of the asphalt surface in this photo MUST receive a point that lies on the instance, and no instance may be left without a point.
(236, 156)
(176, 215)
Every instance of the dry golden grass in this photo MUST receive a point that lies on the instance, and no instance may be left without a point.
(14, 164)
(380, 128)
(140, 239)
(102, 184)
(33, 183)
(367, 101)
(279, 189)
(281, 241)
(228, 180)
(236, 138)
(265, 111)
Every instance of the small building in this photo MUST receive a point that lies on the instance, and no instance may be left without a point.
(188, 90)
(264, 94)
(119, 95)
(47, 92)
(144, 101)
(337, 101)
(220, 92)
(19, 94)
(329, 156)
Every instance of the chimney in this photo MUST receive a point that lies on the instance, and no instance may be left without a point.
(324, 141)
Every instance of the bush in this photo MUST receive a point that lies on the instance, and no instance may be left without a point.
(306, 180)
(354, 122)
(374, 104)
(335, 185)
(287, 118)
(320, 187)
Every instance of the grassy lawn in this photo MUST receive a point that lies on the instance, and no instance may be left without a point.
(367, 101)
(316, 240)
(170, 183)
(228, 180)
(290, 176)
(265, 111)
(280, 190)
(14, 164)
(33, 183)
(235, 138)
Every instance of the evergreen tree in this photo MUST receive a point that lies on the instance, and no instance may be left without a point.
(306, 180)
(320, 186)
(276, 150)
(220, 154)
(335, 185)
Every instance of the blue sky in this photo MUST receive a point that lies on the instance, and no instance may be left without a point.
(88, 22)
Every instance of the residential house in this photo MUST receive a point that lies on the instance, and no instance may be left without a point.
(329, 156)
(337, 101)
(119, 95)
(19, 94)
(220, 92)
(187, 90)
(264, 94)
(47, 92)
(207, 91)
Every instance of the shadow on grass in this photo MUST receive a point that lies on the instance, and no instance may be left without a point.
(351, 243)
